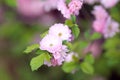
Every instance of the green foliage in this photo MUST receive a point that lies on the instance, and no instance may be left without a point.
(95, 36)
(87, 68)
(44, 34)
(89, 58)
(68, 1)
(87, 34)
(38, 61)
(112, 43)
(69, 66)
(75, 31)
(11, 3)
(31, 48)
(68, 44)
(115, 13)
(73, 18)
(69, 23)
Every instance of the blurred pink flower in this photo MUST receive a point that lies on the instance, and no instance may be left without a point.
(60, 30)
(62, 7)
(109, 3)
(100, 13)
(111, 28)
(103, 22)
(30, 7)
(74, 6)
(99, 25)
(71, 9)
(35, 7)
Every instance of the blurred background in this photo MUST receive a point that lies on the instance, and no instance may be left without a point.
(22, 22)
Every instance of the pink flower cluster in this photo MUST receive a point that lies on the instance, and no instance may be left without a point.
(69, 9)
(52, 43)
(103, 22)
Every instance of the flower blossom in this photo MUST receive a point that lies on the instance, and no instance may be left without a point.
(58, 57)
(71, 9)
(109, 3)
(60, 30)
(103, 23)
(51, 43)
(74, 6)
(112, 27)
(100, 13)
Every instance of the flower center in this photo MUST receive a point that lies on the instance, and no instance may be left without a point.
(60, 34)
(51, 45)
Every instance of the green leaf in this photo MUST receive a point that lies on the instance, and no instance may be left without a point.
(87, 68)
(89, 58)
(75, 31)
(40, 51)
(69, 23)
(47, 56)
(31, 48)
(87, 34)
(68, 1)
(38, 61)
(96, 36)
(69, 67)
(44, 34)
(73, 18)
(68, 44)
(83, 44)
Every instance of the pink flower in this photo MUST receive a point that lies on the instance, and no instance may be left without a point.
(109, 3)
(103, 23)
(99, 25)
(60, 55)
(74, 6)
(51, 43)
(62, 7)
(30, 7)
(100, 13)
(60, 30)
(71, 9)
(112, 27)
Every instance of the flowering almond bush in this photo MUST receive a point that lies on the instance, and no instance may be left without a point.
(58, 44)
